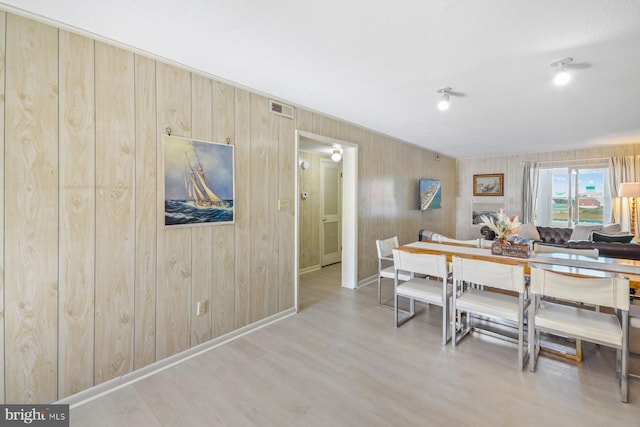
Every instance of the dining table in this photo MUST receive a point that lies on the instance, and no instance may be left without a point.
(578, 265)
(565, 263)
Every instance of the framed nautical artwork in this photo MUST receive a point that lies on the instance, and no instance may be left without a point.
(488, 184)
(198, 182)
(430, 194)
(490, 210)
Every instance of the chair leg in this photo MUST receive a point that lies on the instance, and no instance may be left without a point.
(531, 329)
(451, 318)
(532, 347)
(395, 303)
(624, 371)
(379, 296)
(624, 377)
(395, 308)
(410, 314)
(460, 330)
(453, 314)
(395, 297)
(521, 341)
(445, 323)
(455, 325)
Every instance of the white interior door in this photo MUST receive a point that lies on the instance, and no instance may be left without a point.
(330, 212)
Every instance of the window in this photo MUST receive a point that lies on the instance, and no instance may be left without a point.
(573, 195)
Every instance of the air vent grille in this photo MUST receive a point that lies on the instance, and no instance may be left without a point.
(281, 109)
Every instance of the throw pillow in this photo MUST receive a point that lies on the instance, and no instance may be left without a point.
(611, 228)
(583, 232)
(529, 231)
(609, 238)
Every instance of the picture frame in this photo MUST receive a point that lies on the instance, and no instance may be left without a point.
(488, 184)
(199, 187)
(479, 209)
(430, 194)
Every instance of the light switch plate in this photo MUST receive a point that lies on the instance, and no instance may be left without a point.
(283, 205)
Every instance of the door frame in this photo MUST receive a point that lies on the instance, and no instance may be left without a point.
(349, 233)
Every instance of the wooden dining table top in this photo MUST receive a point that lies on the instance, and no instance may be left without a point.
(577, 265)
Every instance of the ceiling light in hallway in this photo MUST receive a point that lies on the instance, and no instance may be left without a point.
(562, 76)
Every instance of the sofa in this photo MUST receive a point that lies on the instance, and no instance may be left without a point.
(608, 239)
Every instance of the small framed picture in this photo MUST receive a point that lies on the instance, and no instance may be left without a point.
(480, 209)
(489, 184)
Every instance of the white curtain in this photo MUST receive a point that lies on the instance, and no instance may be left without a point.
(529, 191)
(622, 169)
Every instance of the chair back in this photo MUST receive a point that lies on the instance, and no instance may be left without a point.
(592, 253)
(429, 264)
(435, 237)
(385, 246)
(487, 273)
(608, 292)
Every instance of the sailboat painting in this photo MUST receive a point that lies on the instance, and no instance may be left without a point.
(198, 182)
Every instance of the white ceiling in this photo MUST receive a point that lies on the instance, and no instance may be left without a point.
(378, 63)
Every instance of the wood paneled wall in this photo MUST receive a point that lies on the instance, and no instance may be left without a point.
(93, 286)
(3, 26)
(512, 167)
(78, 218)
(31, 211)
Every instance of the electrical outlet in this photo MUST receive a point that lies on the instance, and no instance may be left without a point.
(202, 308)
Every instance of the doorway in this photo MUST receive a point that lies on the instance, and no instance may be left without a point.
(346, 232)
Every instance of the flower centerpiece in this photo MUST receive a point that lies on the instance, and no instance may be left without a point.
(504, 227)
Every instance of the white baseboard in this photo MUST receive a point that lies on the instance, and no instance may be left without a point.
(368, 280)
(309, 269)
(364, 282)
(110, 386)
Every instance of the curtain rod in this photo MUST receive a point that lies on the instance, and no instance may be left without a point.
(545, 162)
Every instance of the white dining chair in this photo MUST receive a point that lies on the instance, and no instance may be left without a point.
(428, 285)
(565, 315)
(386, 269)
(588, 252)
(476, 292)
(435, 237)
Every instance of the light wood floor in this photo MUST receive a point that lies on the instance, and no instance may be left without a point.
(341, 362)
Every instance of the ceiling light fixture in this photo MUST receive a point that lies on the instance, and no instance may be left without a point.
(562, 76)
(443, 105)
(336, 156)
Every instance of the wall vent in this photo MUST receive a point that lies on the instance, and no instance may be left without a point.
(281, 109)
